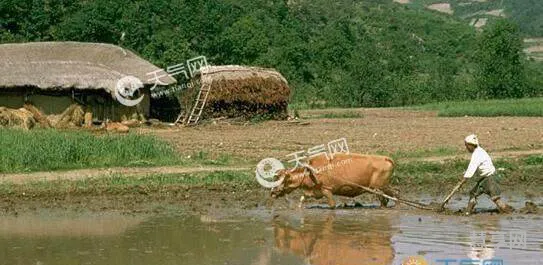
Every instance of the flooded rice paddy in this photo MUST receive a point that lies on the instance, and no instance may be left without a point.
(264, 236)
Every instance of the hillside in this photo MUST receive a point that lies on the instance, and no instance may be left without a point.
(346, 53)
(480, 13)
(526, 13)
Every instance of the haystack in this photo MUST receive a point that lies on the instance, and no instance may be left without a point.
(238, 91)
(17, 118)
(72, 117)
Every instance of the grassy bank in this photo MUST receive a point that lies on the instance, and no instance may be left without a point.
(488, 108)
(524, 175)
(432, 152)
(44, 150)
(119, 184)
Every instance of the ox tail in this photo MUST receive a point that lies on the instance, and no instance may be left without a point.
(391, 170)
(392, 165)
(390, 161)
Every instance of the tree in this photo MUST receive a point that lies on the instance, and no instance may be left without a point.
(501, 69)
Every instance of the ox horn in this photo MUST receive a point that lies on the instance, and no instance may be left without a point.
(312, 173)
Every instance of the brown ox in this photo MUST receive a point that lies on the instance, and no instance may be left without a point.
(342, 175)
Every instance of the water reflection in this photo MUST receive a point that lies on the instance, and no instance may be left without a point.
(317, 237)
(75, 226)
(319, 242)
(468, 238)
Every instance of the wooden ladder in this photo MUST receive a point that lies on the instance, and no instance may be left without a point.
(200, 103)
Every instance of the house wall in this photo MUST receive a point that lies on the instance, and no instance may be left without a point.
(105, 107)
(50, 104)
(11, 100)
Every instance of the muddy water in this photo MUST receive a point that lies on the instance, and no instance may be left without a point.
(312, 236)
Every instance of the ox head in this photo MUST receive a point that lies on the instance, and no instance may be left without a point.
(292, 179)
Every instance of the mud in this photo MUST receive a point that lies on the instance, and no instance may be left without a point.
(200, 199)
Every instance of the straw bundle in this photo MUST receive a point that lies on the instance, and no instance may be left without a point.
(115, 127)
(88, 120)
(38, 116)
(18, 118)
(238, 91)
(73, 116)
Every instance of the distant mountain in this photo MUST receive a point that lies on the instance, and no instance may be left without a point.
(527, 13)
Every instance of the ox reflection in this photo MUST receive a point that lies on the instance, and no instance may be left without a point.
(325, 242)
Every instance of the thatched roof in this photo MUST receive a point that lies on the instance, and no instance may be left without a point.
(231, 83)
(66, 65)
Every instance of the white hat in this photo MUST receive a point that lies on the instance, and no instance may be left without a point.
(472, 139)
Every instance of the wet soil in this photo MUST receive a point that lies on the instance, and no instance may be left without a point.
(232, 198)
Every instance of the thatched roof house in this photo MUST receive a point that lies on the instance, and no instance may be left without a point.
(53, 75)
(241, 91)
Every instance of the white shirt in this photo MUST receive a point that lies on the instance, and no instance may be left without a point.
(480, 160)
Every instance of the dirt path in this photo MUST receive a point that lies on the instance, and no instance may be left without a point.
(21, 178)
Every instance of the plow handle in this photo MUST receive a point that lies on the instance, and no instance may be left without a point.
(456, 188)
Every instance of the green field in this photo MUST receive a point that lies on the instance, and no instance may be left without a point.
(525, 171)
(121, 184)
(529, 107)
(43, 150)
(49, 150)
(525, 174)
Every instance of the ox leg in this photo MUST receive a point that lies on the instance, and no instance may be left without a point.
(301, 201)
(384, 201)
(330, 197)
(388, 191)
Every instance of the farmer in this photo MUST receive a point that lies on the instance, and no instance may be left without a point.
(485, 181)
